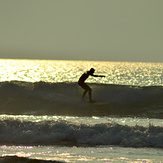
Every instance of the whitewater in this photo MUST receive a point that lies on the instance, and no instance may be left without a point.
(43, 117)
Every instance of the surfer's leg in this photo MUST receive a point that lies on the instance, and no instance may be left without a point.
(87, 89)
(90, 96)
(84, 94)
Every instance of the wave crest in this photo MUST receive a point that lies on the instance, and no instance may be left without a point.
(65, 99)
(62, 132)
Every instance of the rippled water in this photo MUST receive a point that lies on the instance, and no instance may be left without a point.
(121, 73)
(142, 74)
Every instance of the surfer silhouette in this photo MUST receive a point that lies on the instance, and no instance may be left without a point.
(82, 83)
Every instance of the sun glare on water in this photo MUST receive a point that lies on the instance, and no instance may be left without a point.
(123, 73)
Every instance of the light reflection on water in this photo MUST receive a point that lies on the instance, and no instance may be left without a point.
(62, 71)
(87, 120)
(126, 73)
(84, 154)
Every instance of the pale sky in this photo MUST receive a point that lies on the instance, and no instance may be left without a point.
(104, 30)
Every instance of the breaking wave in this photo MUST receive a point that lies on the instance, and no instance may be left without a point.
(65, 99)
(63, 132)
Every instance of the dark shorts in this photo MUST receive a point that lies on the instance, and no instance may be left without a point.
(85, 86)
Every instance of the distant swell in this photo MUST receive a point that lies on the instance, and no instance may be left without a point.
(65, 133)
(65, 99)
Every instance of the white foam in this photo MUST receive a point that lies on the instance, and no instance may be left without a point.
(61, 131)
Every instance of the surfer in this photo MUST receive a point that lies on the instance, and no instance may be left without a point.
(82, 83)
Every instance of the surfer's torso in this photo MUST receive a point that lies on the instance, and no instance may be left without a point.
(83, 77)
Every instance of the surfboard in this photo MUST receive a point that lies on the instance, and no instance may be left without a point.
(100, 103)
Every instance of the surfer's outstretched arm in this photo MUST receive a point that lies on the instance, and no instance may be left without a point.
(98, 75)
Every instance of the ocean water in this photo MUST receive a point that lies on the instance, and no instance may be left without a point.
(42, 115)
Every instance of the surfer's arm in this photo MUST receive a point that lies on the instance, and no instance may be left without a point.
(98, 75)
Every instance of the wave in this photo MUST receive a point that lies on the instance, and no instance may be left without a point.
(18, 97)
(13, 159)
(63, 132)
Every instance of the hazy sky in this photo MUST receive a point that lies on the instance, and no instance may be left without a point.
(108, 30)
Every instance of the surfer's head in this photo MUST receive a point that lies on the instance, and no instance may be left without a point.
(92, 70)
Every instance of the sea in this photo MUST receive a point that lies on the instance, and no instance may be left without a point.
(43, 118)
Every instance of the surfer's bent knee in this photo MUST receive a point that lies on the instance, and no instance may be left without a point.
(85, 86)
